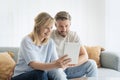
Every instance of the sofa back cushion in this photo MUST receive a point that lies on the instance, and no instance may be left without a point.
(94, 53)
(11, 49)
(6, 64)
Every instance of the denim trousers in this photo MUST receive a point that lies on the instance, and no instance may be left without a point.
(32, 75)
(88, 69)
(55, 74)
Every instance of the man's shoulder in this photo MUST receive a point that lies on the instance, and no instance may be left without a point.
(73, 36)
(72, 33)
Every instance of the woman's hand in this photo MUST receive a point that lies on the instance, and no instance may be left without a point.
(62, 62)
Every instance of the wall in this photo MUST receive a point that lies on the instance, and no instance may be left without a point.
(112, 25)
(17, 18)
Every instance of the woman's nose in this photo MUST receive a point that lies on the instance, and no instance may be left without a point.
(49, 30)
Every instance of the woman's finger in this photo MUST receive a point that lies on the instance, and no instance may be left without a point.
(63, 57)
(66, 61)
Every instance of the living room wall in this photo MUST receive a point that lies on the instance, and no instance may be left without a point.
(112, 28)
(17, 19)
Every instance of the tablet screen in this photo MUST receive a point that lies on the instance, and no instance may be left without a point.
(72, 50)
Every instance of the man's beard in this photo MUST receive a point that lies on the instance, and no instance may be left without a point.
(63, 34)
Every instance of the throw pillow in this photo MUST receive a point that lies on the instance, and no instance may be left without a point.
(94, 53)
(6, 65)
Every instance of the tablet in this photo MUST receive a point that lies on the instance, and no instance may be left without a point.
(72, 50)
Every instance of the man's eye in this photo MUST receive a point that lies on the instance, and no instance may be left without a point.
(61, 26)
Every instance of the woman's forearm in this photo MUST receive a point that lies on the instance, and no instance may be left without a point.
(42, 66)
(59, 63)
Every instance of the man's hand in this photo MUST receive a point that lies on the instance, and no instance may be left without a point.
(72, 65)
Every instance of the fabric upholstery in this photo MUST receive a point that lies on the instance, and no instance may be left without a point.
(11, 49)
(110, 60)
(94, 53)
(6, 64)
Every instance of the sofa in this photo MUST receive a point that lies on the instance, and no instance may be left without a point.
(110, 62)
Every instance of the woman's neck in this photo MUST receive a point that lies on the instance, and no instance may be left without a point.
(41, 40)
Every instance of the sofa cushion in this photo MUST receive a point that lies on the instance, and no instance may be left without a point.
(106, 72)
(110, 59)
(94, 53)
(6, 64)
(12, 49)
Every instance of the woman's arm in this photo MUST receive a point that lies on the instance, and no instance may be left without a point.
(59, 63)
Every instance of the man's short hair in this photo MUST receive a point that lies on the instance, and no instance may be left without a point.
(62, 15)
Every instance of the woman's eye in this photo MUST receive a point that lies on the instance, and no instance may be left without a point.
(51, 27)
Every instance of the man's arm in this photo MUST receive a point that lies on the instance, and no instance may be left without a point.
(83, 56)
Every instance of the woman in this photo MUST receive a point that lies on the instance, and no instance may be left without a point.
(37, 56)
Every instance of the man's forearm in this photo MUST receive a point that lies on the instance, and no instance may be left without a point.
(82, 59)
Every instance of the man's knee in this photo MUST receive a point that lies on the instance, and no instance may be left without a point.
(92, 69)
(92, 63)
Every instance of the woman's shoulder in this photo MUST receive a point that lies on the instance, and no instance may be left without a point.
(26, 39)
(50, 41)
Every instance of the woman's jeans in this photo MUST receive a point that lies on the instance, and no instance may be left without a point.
(32, 75)
(55, 74)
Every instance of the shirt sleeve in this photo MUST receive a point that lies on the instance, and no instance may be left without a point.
(77, 39)
(27, 51)
(54, 55)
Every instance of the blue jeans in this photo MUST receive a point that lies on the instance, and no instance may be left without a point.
(57, 74)
(89, 69)
(32, 75)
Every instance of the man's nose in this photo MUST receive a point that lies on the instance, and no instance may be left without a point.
(63, 29)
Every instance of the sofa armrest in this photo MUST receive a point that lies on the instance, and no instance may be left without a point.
(110, 60)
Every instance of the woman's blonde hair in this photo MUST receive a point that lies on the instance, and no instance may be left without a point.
(42, 20)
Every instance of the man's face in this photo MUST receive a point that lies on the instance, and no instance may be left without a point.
(62, 27)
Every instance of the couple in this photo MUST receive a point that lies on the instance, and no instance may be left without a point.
(40, 57)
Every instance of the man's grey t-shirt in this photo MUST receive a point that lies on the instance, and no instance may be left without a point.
(60, 41)
(30, 52)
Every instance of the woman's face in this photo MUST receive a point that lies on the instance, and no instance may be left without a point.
(45, 31)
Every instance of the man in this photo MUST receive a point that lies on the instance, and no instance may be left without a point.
(63, 34)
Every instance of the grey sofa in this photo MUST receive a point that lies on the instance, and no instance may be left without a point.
(110, 62)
